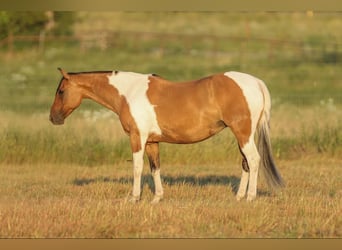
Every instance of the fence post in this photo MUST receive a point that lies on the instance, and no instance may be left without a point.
(41, 42)
(10, 41)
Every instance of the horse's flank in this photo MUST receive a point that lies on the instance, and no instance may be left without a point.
(189, 112)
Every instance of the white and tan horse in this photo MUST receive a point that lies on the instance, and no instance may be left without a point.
(152, 110)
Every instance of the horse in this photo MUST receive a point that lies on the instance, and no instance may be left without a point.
(152, 109)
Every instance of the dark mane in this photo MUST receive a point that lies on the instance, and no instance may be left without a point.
(85, 72)
(103, 72)
(156, 75)
(95, 72)
(59, 85)
(92, 72)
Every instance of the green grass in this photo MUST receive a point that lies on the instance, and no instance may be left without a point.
(74, 180)
(301, 74)
(92, 137)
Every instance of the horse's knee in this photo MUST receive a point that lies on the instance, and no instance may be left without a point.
(244, 164)
(251, 156)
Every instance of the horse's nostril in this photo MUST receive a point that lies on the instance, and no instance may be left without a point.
(56, 120)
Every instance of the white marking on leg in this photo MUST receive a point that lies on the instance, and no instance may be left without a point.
(138, 162)
(157, 182)
(243, 185)
(133, 87)
(253, 158)
(158, 186)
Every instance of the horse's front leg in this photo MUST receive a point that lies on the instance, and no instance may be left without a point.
(137, 145)
(152, 151)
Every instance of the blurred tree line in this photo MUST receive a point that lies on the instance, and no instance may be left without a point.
(36, 22)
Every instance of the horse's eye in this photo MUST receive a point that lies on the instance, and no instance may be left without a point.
(60, 92)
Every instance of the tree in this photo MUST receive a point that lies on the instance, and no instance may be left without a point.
(64, 21)
(27, 23)
(34, 22)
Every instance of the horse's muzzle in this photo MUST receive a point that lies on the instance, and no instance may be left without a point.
(58, 120)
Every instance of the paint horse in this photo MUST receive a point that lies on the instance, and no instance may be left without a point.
(153, 110)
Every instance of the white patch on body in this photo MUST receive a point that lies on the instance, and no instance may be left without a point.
(133, 87)
(251, 90)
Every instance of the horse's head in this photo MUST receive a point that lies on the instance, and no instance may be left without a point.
(68, 97)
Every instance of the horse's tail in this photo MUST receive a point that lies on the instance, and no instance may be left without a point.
(268, 166)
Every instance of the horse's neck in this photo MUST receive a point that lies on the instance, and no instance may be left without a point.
(97, 89)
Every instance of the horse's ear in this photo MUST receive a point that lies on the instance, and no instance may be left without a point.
(64, 74)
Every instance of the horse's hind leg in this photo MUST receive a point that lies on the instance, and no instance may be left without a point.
(152, 151)
(250, 151)
(244, 180)
(250, 162)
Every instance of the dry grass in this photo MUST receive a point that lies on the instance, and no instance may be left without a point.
(76, 201)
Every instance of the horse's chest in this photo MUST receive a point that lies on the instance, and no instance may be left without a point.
(144, 115)
(138, 112)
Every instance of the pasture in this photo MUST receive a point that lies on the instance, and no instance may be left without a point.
(74, 181)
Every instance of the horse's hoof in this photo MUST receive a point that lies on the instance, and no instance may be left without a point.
(156, 199)
(239, 197)
(251, 198)
(134, 200)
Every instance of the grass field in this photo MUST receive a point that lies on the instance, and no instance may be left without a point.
(74, 180)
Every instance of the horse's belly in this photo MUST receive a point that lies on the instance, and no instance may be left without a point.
(188, 134)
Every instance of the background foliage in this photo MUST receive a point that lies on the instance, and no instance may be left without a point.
(32, 23)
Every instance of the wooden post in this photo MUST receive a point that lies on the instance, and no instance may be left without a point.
(10, 41)
(41, 42)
